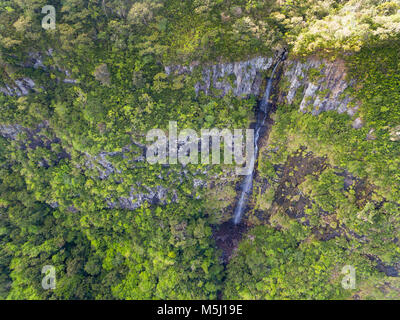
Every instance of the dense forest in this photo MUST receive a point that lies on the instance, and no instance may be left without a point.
(76, 193)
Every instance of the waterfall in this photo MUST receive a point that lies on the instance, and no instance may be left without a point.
(247, 184)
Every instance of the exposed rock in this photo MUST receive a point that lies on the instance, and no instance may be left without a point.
(104, 167)
(242, 79)
(156, 195)
(54, 205)
(358, 123)
(395, 134)
(24, 86)
(10, 131)
(371, 135)
(19, 88)
(101, 164)
(69, 79)
(246, 76)
(325, 92)
(35, 60)
(199, 183)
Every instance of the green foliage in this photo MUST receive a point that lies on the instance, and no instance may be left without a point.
(325, 190)
(62, 205)
(271, 265)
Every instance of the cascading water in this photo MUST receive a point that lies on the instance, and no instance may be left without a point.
(247, 184)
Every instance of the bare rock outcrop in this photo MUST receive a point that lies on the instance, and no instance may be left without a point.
(321, 85)
(242, 78)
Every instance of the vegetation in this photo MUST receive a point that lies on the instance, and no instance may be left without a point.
(74, 193)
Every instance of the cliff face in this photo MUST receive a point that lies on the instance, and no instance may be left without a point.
(10, 131)
(23, 86)
(243, 78)
(318, 85)
(321, 86)
(19, 88)
(102, 167)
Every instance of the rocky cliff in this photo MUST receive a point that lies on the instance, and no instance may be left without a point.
(317, 84)
(320, 85)
(242, 78)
